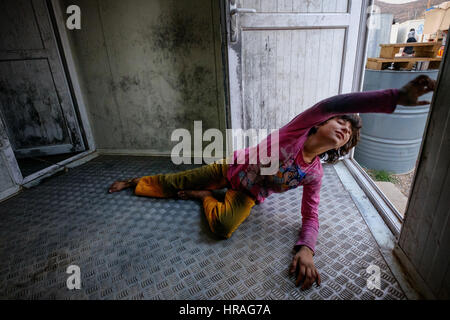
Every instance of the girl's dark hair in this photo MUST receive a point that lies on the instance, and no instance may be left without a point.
(333, 155)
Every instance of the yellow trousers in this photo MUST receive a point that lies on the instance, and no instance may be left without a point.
(223, 217)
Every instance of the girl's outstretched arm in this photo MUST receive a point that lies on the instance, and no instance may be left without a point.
(376, 101)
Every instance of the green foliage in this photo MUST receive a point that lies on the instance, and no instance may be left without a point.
(381, 175)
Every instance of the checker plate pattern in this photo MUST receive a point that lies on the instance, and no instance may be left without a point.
(130, 247)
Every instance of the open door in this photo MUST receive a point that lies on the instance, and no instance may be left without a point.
(284, 56)
(35, 101)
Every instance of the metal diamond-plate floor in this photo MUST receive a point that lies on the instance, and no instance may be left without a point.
(130, 247)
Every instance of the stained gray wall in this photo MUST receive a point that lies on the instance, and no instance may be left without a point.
(147, 68)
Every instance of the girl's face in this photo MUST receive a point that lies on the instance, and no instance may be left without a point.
(336, 132)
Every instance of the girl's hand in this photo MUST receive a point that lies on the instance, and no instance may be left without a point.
(409, 94)
(303, 266)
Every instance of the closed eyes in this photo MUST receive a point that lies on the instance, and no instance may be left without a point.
(346, 129)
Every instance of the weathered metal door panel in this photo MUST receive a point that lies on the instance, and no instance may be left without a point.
(287, 55)
(35, 101)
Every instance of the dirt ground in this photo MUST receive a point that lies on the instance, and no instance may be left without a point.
(401, 181)
(404, 181)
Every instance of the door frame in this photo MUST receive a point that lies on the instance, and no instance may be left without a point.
(58, 17)
(57, 20)
(422, 243)
(387, 210)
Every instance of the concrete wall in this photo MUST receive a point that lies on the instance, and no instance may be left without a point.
(394, 32)
(147, 68)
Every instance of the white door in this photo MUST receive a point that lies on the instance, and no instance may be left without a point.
(35, 101)
(286, 55)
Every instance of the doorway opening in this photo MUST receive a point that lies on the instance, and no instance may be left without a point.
(31, 165)
(402, 44)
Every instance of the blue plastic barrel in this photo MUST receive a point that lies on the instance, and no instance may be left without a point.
(391, 142)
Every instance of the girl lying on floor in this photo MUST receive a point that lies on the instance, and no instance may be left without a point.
(328, 130)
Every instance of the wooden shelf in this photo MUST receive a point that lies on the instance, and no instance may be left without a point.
(401, 63)
(421, 49)
(404, 59)
(411, 44)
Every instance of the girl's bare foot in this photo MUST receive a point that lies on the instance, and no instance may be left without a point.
(118, 186)
(194, 194)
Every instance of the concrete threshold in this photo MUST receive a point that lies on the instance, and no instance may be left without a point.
(398, 199)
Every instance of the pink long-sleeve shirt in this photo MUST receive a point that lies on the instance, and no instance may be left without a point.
(292, 171)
